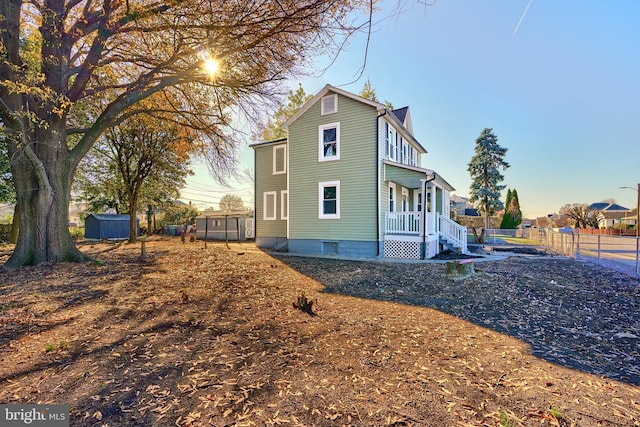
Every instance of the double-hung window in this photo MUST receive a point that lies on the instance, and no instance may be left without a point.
(329, 200)
(269, 205)
(329, 142)
(284, 204)
(392, 197)
(391, 142)
(279, 159)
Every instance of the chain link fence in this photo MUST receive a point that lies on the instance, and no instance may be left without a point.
(621, 253)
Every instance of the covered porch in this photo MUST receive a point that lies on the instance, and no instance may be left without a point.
(416, 222)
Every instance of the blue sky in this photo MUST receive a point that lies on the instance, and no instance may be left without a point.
(561, 93)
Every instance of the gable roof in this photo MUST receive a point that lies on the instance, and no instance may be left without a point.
(326, 89)
(615, 207)
(401, 113)
(598, 206)
(382, 110)
(609, 207)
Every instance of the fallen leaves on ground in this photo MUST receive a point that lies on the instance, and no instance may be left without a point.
(192, 337)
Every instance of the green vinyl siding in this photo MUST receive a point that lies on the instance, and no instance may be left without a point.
(356, 171)
(266, 181)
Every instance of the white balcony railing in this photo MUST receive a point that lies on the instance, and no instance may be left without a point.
(402, 222)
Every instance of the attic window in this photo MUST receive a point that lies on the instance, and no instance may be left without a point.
(329, 104)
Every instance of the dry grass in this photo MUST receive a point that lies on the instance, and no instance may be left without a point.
(193, 337)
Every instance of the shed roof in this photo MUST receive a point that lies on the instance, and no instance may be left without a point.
(110, 217)
(222, 214)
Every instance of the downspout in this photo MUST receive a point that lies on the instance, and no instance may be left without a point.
(424, 214)
(378, 182)
(255, 198)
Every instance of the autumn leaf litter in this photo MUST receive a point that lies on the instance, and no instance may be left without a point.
(189, 337)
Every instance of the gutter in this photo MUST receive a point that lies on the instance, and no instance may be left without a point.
(424, 214)
(378, 183)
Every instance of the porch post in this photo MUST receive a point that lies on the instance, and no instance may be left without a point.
(432, 211)
(423, 219)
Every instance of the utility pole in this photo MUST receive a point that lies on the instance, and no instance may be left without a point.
(638, 213)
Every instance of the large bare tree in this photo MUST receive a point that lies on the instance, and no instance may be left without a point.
(582, 215)
(71, 69)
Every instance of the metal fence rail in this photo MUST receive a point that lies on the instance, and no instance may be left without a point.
(618, 252)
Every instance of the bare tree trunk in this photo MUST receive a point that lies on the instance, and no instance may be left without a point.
(15, 225)
(133, 223)
(42, 173)
(43, 217)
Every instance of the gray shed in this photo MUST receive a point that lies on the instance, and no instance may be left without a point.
(221, 225)
(108, 226)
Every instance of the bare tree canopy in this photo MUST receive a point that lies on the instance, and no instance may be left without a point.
(70, 70)
(581, 214)
(231, 202)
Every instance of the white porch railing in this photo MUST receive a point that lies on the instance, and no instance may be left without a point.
(453, 232)
(402, 222)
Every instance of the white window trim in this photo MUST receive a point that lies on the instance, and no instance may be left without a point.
(323, 112)
(391, 141)
(321, 186)
(417, 194)
(284, 159)
(265, 196)
(405, 197)
(392, 185)
(321, 128)
(284, 204)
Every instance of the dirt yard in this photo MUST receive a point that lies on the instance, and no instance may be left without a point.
(188, 336)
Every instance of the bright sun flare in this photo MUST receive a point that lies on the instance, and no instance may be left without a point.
(211, 66)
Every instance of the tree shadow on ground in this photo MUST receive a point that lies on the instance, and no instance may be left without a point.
(573, 314)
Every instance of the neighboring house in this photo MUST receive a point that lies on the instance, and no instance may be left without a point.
(630, 219)
(459, 204)
(225, 225)
(610, 214)
(349, 181)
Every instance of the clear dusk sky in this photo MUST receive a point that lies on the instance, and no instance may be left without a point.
(558, 81)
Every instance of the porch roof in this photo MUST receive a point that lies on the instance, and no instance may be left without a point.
(411, 176)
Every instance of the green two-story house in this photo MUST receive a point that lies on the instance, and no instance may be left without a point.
(349, 181)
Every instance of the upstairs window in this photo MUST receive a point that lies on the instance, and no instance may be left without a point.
(329, 104)
(391, 142)
(329, 142)
(279, 159)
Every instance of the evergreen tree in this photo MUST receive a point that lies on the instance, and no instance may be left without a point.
(516, 213)
(369, 92)
(512, 215)
(485, 175)
(272, 130)
(507, 220)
